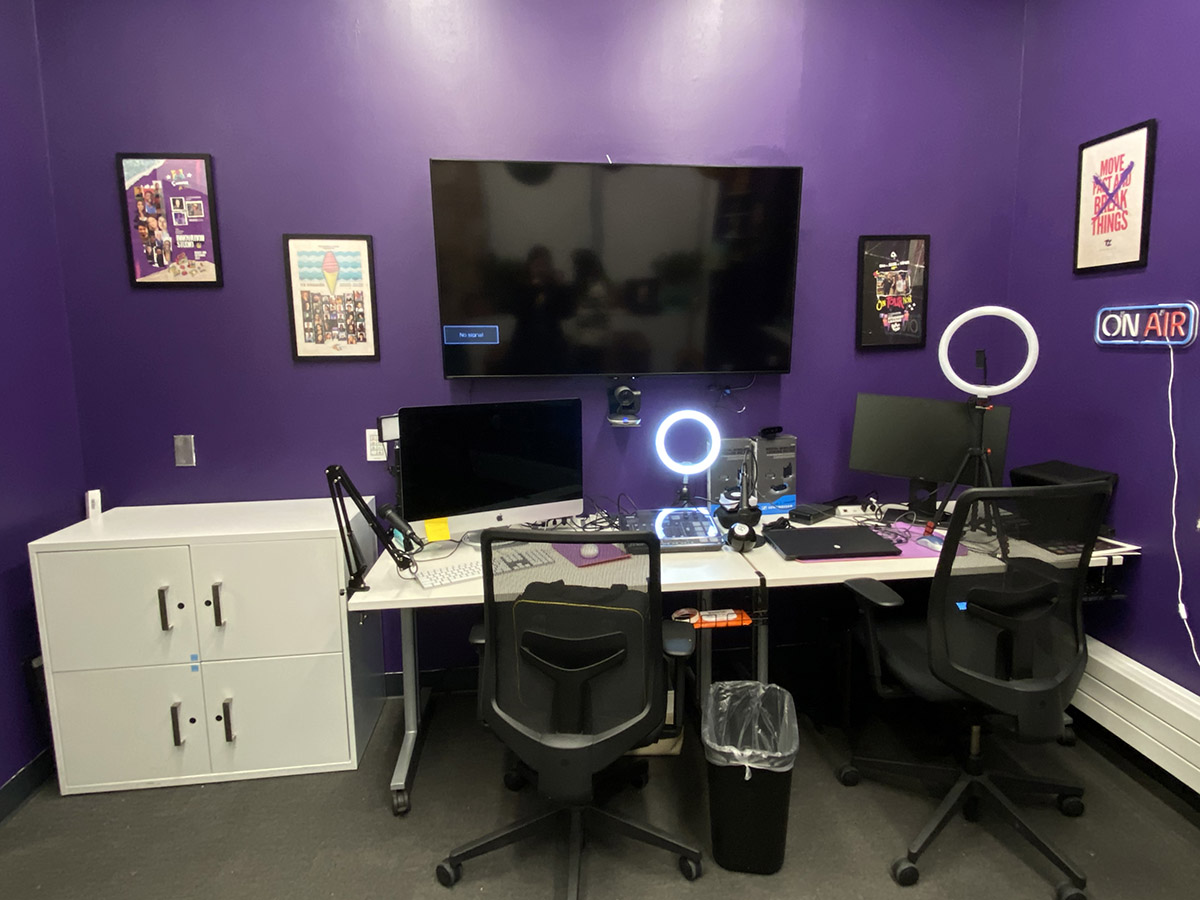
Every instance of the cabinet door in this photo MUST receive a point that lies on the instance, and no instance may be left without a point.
(274, 714)
(113, 608)
(115, 728)
(267, 598)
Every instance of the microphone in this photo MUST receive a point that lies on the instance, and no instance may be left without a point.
(388, 513)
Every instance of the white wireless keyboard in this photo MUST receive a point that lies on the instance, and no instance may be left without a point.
(506, 560)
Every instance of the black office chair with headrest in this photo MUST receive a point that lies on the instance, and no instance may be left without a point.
(573, 677)
(1003, 634)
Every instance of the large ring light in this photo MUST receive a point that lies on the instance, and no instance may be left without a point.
(989, 390)
(714, 442)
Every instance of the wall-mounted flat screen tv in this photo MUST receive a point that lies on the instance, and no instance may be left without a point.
(553, 268)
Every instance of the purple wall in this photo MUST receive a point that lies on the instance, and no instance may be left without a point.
(41, 479)
(321, 118)
(1092, 68)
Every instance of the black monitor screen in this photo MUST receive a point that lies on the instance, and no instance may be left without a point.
(475, 457)
(578, 268)
(925, 440)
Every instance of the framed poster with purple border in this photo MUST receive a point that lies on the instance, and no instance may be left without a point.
(1113, 189)
(169, 214)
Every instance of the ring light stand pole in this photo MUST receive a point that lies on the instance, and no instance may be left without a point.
(981, 393)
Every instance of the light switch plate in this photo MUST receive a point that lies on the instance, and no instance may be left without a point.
(376, 449)
(185, 450)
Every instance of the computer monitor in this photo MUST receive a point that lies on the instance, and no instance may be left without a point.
(484, 464)
(926, 442)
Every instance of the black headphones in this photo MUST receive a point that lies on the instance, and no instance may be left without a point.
(741, 537)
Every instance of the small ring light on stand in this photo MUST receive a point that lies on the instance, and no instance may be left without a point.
(981, 392)
(687, 469)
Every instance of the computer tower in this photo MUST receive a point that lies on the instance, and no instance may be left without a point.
(776, 458)
(724, 474)
(1055, 471)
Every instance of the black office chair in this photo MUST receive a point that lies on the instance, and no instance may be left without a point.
(1003, 634)
(572, 678)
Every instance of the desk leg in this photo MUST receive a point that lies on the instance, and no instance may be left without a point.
(704, 653)
(416, 702)
(758, 631)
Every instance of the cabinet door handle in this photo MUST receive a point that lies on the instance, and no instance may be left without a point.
(216, 595)
(176, 735)
(227, 713)
(162, 608)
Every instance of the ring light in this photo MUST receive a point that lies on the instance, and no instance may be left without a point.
(714, 442)
(989, 390)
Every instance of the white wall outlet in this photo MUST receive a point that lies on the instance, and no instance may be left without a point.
(185, 450)
(376, 449)
(91, 501)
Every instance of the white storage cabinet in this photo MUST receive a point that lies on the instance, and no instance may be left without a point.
(204, 642)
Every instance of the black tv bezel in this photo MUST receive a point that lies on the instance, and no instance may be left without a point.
(795, 266)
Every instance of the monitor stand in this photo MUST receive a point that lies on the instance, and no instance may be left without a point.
(922, 499)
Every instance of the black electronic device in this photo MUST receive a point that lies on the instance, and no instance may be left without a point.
(486, 464)
(811, 513)
(835, 542)
(568, 268)
(624, 404)
(677, 528)
(741, 537)
(927, 441)
(1055, 471)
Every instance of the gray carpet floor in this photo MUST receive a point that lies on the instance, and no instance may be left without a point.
(334, 835)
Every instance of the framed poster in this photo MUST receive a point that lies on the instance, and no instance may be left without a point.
(169, 214)
(893, 290)
(331, 296)
(1113, 188)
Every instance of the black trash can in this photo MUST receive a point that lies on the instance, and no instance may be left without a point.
(750, 741)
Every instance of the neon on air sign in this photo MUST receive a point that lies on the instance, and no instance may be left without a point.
(1156, 325)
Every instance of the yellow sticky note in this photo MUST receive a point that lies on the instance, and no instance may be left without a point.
(437, 529)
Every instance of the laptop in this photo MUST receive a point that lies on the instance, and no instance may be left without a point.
(838, 542)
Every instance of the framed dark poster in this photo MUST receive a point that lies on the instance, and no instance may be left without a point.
(169, 215)
(1112, 207)
(893, 290)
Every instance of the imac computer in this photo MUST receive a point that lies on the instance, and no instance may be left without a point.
(926, 441)
(482, 464)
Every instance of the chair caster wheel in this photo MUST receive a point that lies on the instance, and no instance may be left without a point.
(848, 775)
(690, 868)
(640, 778)
(514, 780)
(1068, 891)
(449, 873)
(1067, 738)
(972, 809)
(1070, 805)
(400, 803)
(904, 873)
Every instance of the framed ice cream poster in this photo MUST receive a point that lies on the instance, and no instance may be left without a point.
(331, 296)
(169, 215)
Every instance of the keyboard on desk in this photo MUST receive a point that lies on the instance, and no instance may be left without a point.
(506, 559)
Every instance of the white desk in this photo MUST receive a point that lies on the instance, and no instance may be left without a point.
(691, 571)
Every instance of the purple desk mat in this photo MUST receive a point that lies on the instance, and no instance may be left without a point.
(608, 552)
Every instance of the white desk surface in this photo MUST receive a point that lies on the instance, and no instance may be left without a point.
(686, 571)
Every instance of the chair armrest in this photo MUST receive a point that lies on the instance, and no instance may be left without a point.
(679, 638)
(874, 595)
(875, 592)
